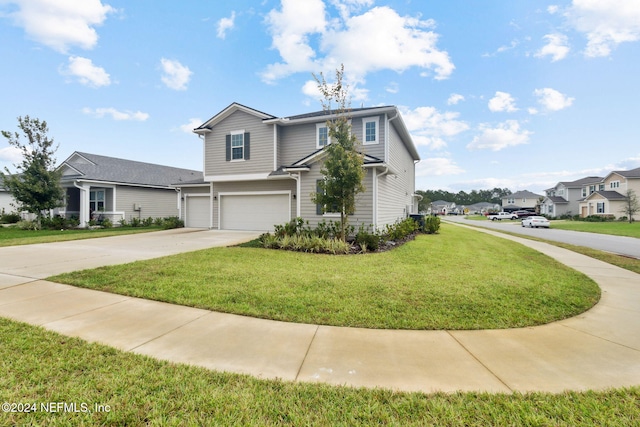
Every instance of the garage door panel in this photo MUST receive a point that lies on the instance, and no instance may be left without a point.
(254, 211)
(198, 212)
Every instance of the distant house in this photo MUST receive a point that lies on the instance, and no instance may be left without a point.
(442, 207)
(564, 198)
(260, 170)
(482, 207)
(6, 200)
(520, 200)
(113, 188)
(608, 197)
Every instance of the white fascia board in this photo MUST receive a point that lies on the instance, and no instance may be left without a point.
(241, 177)
(113, 184)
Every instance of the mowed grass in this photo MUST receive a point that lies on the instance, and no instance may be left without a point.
(39, 366)
(11, 236)
(617, 228)
(458, 279)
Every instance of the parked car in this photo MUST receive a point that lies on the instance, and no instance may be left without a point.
(501, 215)
(524, 213)
(535, 222)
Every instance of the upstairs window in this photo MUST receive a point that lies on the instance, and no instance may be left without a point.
(322, 135)
(237, 146)
(615, 184)
(370, 130)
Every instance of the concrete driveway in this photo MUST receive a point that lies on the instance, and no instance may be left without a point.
(598, 349)
(47, 259)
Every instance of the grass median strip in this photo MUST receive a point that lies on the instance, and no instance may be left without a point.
(11, 236)
(40, 367)
(458, 279)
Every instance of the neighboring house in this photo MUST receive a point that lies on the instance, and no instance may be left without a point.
(608, 197)
(520, 200)
(442, 207)
(482, 207)
(6, 200)
(564, 198)
(108, 187)
(260, 170)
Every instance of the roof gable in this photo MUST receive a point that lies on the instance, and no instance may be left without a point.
(206, 126)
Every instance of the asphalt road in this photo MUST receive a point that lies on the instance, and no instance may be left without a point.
(627, 246)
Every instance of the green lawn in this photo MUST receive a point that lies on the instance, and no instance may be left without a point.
(39, 366)
(11, 236)
(458, 279)
(617, 228)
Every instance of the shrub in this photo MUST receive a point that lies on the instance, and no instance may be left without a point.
(9, 218)
(400, 229)
(431, 224)
(27, 225)
(600, 218)
(147, 222)
(170, 222)
(135, 222)
(367, 240)
(106, 223)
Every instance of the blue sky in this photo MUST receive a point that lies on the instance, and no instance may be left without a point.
(501, 93)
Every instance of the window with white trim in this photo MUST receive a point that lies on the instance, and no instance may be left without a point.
(96, 200)
(370, 130)
(322, 135)
(600, 207)
(614, 184)
(237, 146)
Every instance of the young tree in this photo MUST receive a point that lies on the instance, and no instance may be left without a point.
(36, 185)
(342, 169)
(631, 205)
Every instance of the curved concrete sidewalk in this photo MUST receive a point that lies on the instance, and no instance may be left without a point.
(597, 350)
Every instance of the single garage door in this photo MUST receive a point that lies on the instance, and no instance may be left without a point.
(253, 211)
(197, 212)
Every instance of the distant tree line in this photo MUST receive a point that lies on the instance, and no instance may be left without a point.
(462, 198)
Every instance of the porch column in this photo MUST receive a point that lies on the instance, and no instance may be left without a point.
(84, 215)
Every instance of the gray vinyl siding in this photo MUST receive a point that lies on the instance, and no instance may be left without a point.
(252, 186)
(296, 142)
(5, 202)
(155, 203)
(261, 146)
(364, 201)
(396, 188)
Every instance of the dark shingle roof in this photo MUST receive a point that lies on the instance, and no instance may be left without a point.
(611, 195)
(111, 169)
(633, 173)
(327, 113)
(524, 194)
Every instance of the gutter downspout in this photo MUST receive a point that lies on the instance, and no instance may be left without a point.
(375, 194)
(84, 205)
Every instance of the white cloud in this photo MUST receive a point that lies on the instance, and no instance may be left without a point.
(226, 24)
(552, 100)
(506, 134)
(557, 47)
(116, 114)
(61, 24)
(392, 87)
(454, 98)
(553, 9)
(502, 101)
(437, 166)
(430, 128)
(87, 73)
(605, 25)
(11, 154)
(193, 123)
(175, 75)
(399, 42)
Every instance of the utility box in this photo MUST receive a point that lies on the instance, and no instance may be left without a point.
(137, 207)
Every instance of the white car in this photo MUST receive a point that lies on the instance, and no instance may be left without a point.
(536, 221)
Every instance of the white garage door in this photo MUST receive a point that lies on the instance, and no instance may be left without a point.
(197, 212)
(254, 211)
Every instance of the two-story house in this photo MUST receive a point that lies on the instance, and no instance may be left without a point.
(563, 199)
(520, 200)
(608, 197)
(260, 170)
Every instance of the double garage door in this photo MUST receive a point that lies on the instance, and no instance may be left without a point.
(259, 212)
